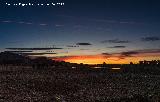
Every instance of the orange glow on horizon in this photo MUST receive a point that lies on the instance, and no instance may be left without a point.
(99, 59)
(84, 59)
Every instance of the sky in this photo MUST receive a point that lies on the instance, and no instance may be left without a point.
(82, 31)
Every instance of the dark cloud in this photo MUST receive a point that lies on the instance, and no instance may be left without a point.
(72, 46)
(50, 51)
(115, 41)
(117, 47)
(133, 53)
(144, 51)
(152, 38)
(31, 54)
(129, 53)
(149, 51)
(33, 48)
(108, 54)
(85, 44)
(18, 51)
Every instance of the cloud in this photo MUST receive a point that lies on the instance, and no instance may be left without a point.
(112, 21)
(21, 22)
(33, 48)
(32, 54)
(29, 23)
(58, 25)
(115, 41)
(116, 21)
(49, 51)
(120, 55)
(149, 51)
(105, 20)
(134, 53)
(68, 16)
(72, 46)
(84, 44)
(106, 54)
(7, 21)
(129, 53)
(117, 47)
(24, 22)
(18, 51)
(140, 52)
(151, 38)
(43, 24)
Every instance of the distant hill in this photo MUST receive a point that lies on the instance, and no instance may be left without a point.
(12, 58)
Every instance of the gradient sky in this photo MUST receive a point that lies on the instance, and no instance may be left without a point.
(88, 31)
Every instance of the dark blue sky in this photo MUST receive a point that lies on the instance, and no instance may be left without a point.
(82, 21)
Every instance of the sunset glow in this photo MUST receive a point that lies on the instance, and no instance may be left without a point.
(99, 59)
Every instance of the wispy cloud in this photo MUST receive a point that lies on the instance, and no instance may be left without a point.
(117, 47)
(151, 38)
(23, 22)
(115, 41)
(59, 25)
(33, 48)
(133, 53)
(29, 23)
(7, 21)
(149, 51)
(129, 53)
(113, 21)
(42, 24)
(116, 21)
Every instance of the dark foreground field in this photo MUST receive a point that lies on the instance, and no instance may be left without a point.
(71, 85)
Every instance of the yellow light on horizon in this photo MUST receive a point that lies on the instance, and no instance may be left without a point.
(116, 68)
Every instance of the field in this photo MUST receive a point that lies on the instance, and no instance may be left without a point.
(76, 85)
